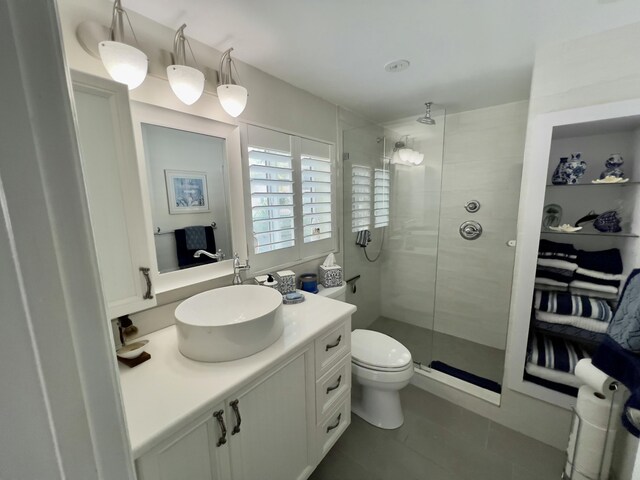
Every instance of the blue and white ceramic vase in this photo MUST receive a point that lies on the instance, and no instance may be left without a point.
(575, 168)
(558, 177)
(613, 164)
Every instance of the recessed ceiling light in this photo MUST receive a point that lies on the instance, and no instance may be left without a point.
(397, 66)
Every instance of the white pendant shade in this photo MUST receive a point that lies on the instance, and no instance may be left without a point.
(233, 98)
(419, 158)
(405, 154)
(186, 82)
(124, 63)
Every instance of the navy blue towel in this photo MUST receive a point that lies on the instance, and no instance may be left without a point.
(605, 261)
(549, 249)
(185, 254)
(619, 354)
(466, 376)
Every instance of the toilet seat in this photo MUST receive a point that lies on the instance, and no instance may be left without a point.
(379, 352)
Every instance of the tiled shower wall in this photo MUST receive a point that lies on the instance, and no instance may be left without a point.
(483, 152)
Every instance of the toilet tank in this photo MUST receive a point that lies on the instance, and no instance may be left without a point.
(337, 293)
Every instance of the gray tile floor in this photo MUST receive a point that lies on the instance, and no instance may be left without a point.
(426, 345)
(438, 441)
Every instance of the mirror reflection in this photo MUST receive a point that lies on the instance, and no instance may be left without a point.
(186, 173)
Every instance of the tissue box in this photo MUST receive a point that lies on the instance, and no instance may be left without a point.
(330, 276)
(287, 281)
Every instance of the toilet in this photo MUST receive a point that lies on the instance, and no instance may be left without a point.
(380, 367)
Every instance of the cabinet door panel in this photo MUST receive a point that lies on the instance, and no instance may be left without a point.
(190, 455)
(273, 440)
(109, 166)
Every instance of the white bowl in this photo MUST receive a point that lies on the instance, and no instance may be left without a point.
(133, 350)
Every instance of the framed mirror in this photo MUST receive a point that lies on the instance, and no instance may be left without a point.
(190, 169)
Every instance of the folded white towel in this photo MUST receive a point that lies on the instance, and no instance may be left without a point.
(555, 263)
(592, 286)
(556, 376)
(579, 322)
(600, 275)
(591, 293)
(553, 283)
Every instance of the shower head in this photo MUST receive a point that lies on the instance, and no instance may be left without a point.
(427, 120)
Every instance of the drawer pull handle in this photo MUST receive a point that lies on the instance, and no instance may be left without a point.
(236, 410)
(335, 425)
(223, 429)
(333, 345)
(330, 389)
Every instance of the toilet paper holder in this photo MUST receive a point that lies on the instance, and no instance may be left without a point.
(576, 418)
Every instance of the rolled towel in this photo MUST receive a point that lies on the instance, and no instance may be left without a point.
(584, 323)
(569, 304)
(592, 286)
(557, 263)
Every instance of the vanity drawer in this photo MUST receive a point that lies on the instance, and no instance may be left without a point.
(336, 423)
(332, 386)
(331, 347)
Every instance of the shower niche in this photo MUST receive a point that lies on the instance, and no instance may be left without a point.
(573, 255)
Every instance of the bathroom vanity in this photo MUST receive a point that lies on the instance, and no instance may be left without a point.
(269, 416)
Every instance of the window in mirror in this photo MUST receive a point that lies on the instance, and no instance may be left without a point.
(187, 180)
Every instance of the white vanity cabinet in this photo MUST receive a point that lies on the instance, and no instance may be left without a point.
(278, 427)
(110, 171)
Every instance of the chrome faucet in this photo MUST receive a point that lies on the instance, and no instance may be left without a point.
(216, 256)
(237, 268)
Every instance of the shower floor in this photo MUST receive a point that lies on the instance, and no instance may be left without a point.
(426, 345)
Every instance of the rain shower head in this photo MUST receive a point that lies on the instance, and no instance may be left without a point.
(427, 120)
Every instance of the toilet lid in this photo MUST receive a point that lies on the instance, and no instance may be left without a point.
(377, 350)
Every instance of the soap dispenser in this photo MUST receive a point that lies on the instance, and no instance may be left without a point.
(271, 282)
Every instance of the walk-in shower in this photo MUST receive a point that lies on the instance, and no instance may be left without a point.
(415, 292)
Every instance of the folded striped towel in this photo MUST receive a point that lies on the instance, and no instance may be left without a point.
(557, 263)
(563, 251)
(575, 305)
(555, 353)
(557, 274)
(592, 293)
(550, 283)
(584, 323)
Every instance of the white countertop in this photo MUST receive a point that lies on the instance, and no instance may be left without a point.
(169, 390)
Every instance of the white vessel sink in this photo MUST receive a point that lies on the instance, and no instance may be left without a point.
(229, 323)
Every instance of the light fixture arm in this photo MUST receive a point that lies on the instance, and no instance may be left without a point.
(225, 62)
(179, 54)
(116, 31)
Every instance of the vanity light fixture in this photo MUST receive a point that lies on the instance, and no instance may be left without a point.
(186, 82)
(124, 63)
(233, 97)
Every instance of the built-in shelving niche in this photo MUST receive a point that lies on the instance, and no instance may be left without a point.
(596, 132)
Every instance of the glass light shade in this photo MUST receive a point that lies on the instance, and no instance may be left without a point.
(419, 158)
(186, 82)
(395, 158)
(233, 98)
(124, 63)
(405, 154)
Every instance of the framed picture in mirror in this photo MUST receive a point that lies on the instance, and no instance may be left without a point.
(186, 191)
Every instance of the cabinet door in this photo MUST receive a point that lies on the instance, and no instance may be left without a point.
(110, 170)
(273, 442)
(192, 454)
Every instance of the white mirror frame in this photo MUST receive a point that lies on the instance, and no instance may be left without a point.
(532, 195)
(143, 113)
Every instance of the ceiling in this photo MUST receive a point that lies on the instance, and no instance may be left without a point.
(464, 54)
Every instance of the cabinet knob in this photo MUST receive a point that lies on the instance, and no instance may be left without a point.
(145, 273)
(223, 429)
(236, 411)
(333, 345)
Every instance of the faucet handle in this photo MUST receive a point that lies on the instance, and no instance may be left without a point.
(220, 254)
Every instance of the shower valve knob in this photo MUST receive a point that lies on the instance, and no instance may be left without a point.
(470, 230)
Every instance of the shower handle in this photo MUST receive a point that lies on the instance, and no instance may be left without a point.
(470, 230)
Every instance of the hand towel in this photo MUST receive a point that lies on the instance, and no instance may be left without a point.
(363, 238)
(196, 238)
(619, 354)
